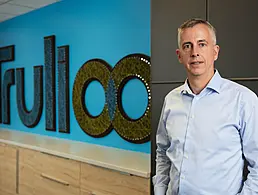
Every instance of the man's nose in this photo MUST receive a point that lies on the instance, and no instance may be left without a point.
(194, 52)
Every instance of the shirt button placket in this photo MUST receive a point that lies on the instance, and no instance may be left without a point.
(185, 161)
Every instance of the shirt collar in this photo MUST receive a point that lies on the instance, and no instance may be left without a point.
(185, 88)
(214, 84)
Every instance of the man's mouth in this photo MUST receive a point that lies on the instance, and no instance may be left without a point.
(196, 63)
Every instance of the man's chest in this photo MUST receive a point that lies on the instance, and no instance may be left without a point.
(209, 122)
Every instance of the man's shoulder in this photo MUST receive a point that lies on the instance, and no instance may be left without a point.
(174, 92)
(237, 89)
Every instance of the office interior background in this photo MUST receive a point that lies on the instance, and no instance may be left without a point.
(110, 31)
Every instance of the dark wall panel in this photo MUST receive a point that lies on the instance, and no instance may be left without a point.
(253, 85)
(237, 36)
(166, 17)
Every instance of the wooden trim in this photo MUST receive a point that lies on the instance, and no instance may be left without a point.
(54, 179)
(17, 171)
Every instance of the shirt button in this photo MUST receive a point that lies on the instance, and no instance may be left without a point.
(182, 177)
(192, 116)
(186, 156)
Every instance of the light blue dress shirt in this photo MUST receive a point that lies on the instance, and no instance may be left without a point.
(201, 140)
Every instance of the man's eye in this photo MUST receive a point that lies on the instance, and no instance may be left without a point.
(187, 46)
(202, 44)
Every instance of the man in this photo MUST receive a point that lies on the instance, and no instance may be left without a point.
(208, 126)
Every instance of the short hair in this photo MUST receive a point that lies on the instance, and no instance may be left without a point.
(191, 23)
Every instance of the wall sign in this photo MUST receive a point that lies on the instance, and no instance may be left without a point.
(113, 81)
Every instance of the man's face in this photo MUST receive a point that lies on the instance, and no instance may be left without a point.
(197, 51)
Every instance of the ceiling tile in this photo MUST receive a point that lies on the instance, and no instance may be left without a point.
(10, 8)
(14, 9)
(3, 1)
(5, 17)
(33, 3)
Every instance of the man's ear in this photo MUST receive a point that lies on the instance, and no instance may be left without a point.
(216, 52)
(178, 55)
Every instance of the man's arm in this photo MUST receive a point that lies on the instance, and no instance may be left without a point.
(161, 179)
(249, 135)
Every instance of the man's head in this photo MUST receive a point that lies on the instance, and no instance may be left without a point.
(197, 47)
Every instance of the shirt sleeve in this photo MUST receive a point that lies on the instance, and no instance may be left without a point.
(161, 179)
(249, 136)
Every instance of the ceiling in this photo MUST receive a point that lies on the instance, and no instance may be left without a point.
(12, 8)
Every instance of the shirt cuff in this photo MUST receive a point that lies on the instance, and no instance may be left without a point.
(160, 190)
